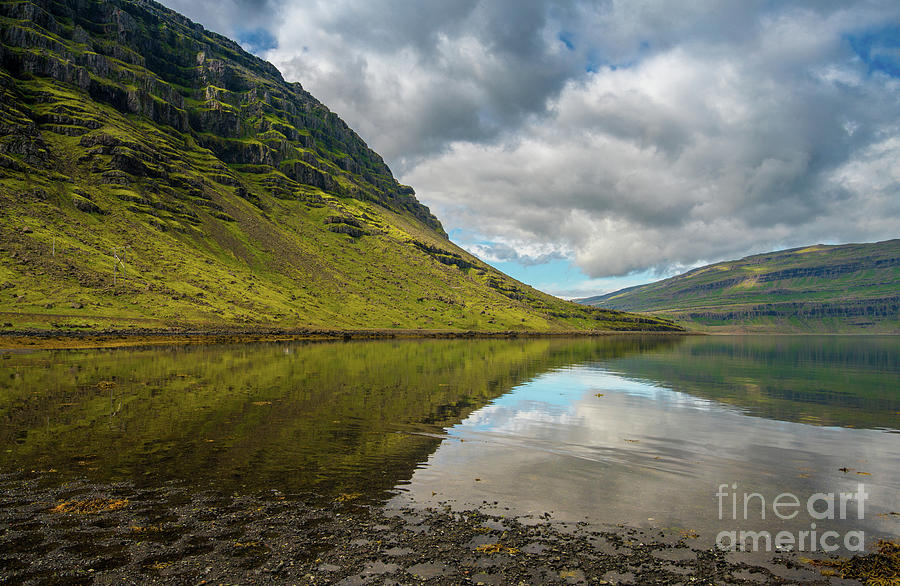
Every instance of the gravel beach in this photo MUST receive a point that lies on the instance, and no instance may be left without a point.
(83, 533)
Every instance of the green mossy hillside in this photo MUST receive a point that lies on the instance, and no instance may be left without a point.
(817, 289)
(153, 174)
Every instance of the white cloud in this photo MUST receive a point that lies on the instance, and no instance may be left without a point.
(689, 154)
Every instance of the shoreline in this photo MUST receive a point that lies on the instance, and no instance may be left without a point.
(83, 532)
(116, 338)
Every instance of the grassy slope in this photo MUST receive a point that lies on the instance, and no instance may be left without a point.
(848, 288)
(241, 200)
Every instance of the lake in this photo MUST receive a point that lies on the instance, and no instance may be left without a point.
(644, 431)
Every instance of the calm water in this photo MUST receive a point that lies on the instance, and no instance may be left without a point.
(640, 431)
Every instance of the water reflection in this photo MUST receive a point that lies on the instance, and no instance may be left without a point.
(637, 430)
(849, 381)
(353, 417)
(648, 438)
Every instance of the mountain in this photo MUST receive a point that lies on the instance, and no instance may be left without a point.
(154, 174)
(848, 288)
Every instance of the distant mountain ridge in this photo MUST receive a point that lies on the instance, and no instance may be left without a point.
(152, 173)
(821, 288)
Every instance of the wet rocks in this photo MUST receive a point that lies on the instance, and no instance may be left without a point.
(80, 531)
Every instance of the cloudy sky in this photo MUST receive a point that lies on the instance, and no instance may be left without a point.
(584, 146)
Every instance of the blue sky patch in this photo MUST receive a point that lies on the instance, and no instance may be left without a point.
(556, 271)
(256, 41)
(879, 49)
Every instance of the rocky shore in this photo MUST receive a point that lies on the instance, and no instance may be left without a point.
(83, 533)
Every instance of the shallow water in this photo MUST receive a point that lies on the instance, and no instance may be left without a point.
(650, 438)
(631, 430)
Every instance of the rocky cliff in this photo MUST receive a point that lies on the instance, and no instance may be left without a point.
(143, 59)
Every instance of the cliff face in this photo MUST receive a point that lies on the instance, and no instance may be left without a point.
(142, 59)
(849, 288)
(153, 173)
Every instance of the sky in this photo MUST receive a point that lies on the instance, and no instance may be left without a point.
(585, 146)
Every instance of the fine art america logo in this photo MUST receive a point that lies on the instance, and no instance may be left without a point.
(741, 506)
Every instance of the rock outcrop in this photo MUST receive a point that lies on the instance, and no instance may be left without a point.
(143, 59)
